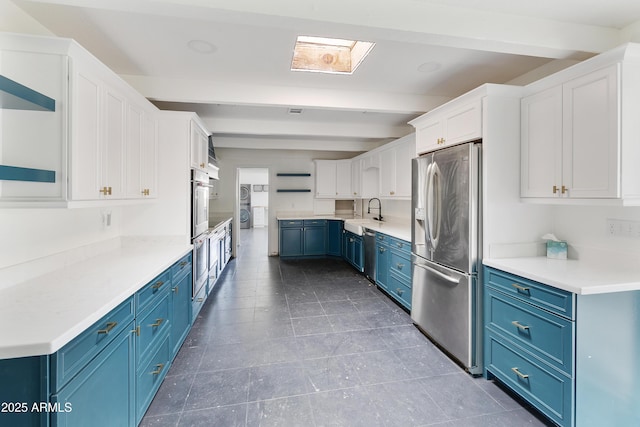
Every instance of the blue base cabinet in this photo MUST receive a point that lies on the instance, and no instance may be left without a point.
(303, 238)
(108, 375)
(353, 250)
(529, 342)
(393, 268)
(334, 237)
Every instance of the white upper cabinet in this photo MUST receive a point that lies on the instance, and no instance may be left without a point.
(199, 146)
(356, 177)
(541, 143)
(395, 168)
(578, 143)
(98, 143)
(455, 122)
(333, 179)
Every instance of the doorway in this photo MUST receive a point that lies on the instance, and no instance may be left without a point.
(253, 210)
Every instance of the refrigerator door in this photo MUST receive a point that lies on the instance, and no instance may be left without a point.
(421, 170)
(453, 207)
(444, 307)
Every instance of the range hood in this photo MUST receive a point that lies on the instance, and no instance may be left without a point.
(15, 96)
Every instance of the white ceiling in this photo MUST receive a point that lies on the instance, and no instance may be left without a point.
(244, 88)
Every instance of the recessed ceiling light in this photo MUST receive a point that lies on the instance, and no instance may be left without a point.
(326, 55)
(429, 67)
(201, 46)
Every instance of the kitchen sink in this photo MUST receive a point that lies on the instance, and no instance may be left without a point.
(357, 226)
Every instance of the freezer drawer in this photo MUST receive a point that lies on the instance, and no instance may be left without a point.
(444, 307)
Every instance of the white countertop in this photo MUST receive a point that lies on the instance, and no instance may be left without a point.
(41, 315)
(579, 277)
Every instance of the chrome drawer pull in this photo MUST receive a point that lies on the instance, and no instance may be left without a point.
(399, 266)
(136, 331)
(157, 285)
(520, 288)
(158, 323)
(520, 374)
(399, 291)
(175, 290)
(520, 325)
(159, 367)
(110, 326)
(183, 264)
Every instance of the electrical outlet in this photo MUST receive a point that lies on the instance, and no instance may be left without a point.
(623, 228)
(612, 227)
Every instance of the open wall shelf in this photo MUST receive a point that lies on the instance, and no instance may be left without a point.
(293, 190)
(293, 174)
(15, 96)
(13, 173)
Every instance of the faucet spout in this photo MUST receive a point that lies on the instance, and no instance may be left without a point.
(379, 218)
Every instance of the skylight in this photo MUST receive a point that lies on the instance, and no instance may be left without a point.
(325, 55)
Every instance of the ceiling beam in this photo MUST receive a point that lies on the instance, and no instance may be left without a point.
(205, 91)
(403, 20)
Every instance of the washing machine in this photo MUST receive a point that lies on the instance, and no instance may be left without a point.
(245, 205)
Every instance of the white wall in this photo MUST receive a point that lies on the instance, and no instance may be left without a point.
(276, 161)
(584, 228)
(14, 20)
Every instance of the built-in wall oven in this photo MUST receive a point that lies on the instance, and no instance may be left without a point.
(199, 226)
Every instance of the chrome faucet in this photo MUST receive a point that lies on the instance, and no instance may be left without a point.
(379, 208)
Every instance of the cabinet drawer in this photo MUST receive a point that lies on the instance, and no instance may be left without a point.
(152, 290)
(291, 223)
(316, 222)
(400, 245)
(547, 335)
(150, 376)
(71, 358)
(151, 327)
(382, 238)
(541, 385)
(547, 297)
(400, 264)
(197, 303)
(181, 267)
(399, 289)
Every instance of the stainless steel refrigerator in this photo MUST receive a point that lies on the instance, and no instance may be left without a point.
(446, 251)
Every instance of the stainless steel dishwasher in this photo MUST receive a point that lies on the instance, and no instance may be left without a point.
(369, 254)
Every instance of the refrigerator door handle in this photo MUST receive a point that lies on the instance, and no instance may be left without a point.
(440, 274)
(434, 204)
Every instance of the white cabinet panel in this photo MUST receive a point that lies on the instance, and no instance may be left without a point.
(591, 135)
(343, 179)
(541, 143)
(112, 145)
(356, 177)
(199, 147)
(395, 168)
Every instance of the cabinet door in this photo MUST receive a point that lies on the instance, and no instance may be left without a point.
(334, 238)
(388, 173)
(180, 312)
(291, 241)
(105, 387)
(315, 241)
(343, 178)
(591, 139)
(428, 136)
(326, 178)
(86, 166)
(149, 156)
(541, 143)
(382, 266)
(113, 144)
(356, 177)
(358, 253)
(133, 150)
(199, 147)
(404, 154)
(463, 123)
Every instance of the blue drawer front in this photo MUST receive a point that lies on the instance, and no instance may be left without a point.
(400, 245)
(71, 358)
(150, 376)
(291, 223)
(151, 327)
(399, 290)
(547, 297)
(548, 336)
(315, 222)
(400, 264)
(154, 289)
(181, 267)
(544, 387)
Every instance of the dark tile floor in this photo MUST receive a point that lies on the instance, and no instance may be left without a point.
(313, 343)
